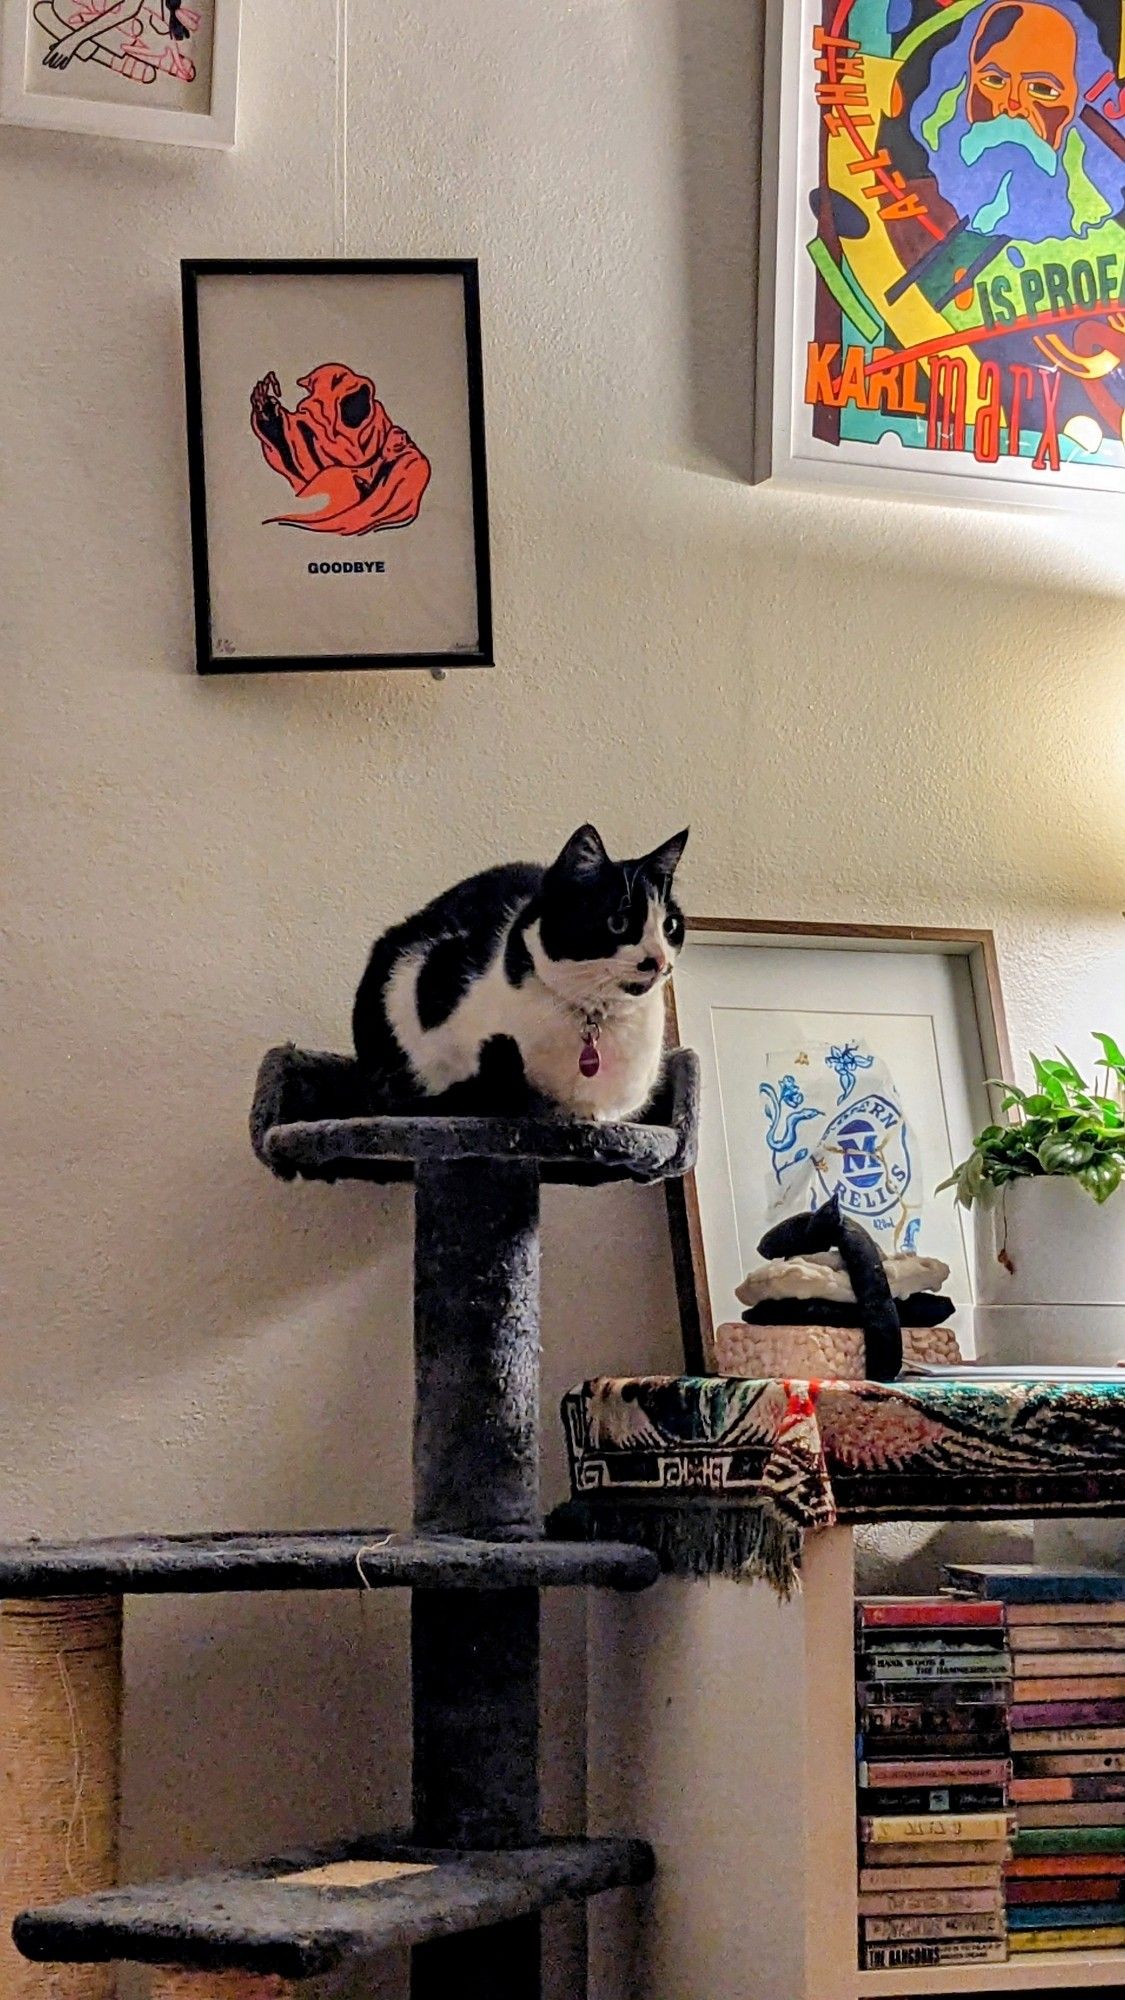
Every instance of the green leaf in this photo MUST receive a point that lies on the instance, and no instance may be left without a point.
(1112, 1053)
(1034, 1132)
(1065, 1155)
(1070, 1073)
(968, 1179)
(1043, 1106)
(1050, 1083)
(1102, 1177)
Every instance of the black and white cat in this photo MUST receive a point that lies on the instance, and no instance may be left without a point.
(528, 983)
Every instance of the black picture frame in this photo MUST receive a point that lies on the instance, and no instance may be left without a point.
(193, 271)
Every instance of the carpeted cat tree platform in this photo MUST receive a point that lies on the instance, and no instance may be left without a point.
(465, 1886)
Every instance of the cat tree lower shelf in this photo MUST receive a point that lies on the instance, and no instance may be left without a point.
(335, 1559)
(259, 1921)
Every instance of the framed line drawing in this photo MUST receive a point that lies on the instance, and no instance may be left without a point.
(336, 456)
(850, 1059)
(165, 71)
(943, 249)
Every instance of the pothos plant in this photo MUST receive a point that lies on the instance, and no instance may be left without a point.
(1065, 1126)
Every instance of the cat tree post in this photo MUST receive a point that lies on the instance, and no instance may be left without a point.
(476, 1474)
(60, 1751)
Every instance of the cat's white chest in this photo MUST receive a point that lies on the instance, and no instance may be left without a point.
(629, 1053)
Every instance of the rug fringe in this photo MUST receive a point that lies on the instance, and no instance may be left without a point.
(700, 1539)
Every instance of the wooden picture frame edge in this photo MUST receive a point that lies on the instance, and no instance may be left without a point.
(192, 269)
(141, 123)
(977, 947)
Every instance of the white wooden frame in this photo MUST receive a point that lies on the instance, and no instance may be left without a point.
(785, 293)
(155, 124)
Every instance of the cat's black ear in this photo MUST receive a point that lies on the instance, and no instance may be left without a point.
(584, 853)
(661, 865)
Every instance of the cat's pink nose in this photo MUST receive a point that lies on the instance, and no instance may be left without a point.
(656, 964)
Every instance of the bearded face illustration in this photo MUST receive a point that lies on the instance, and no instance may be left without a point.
(354, 470)
(1000, 122)
(1024, 64)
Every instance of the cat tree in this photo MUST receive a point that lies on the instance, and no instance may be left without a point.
(465, 1887)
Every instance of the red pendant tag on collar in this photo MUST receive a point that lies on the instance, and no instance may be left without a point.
(589, 1062)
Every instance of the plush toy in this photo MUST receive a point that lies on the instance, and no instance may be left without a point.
(831, 1305)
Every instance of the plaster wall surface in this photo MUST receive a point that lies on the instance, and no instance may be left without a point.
(867, 710)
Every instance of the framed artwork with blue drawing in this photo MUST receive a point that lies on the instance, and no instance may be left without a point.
(837, 1060)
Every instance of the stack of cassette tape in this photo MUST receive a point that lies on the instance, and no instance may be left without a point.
(933, 1698)
(1066, 1631)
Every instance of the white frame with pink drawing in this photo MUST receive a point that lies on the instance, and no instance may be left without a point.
(109, 100)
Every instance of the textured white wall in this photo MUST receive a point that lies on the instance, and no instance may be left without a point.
(866, 710)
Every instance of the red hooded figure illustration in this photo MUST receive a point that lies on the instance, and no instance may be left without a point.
(340, 453)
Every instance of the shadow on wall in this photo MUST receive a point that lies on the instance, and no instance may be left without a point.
(896, 1558)
(721, 57)
(267, 1720)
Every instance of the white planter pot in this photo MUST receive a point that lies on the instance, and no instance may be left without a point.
(1057, 1296)
(1046, 1242)
(1050, 1275)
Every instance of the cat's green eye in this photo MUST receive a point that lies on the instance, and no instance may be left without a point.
(618, 925)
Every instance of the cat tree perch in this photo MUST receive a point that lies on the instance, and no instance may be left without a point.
(465, 1888)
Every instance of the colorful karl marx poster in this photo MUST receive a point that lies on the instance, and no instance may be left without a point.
(958, 249)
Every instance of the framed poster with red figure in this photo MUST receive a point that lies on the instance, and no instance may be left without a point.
(336, 456)
(944, 249)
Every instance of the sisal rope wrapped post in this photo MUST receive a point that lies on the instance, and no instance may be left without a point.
(170, 1984)
(60, 1733)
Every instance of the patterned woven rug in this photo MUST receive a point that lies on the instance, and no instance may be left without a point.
(723, 1476)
